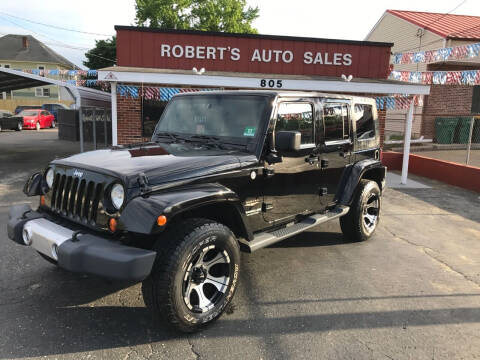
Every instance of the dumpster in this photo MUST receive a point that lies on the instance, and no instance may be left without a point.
(445, 130)
(463, 130)
(476, 131)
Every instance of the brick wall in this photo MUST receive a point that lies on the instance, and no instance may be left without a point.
(445, 100)
(382, 115)
(129, 122)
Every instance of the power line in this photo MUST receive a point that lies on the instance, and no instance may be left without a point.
(416, 47)
(55, 26)
(80, 49)
(441, 17)
(59, 43)
(434, 41)
(430, 23)
(32, 31)
(56, 42)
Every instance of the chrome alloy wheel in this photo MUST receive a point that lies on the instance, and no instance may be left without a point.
(206, 279)
(370, 212)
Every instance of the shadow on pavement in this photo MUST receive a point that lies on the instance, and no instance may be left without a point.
(365, 298)
(69, 330)
(52, 286)
(55, 322)
(312, 239)
(449, 198)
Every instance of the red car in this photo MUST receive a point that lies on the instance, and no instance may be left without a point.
(37, 119)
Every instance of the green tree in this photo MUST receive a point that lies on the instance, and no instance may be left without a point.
(102, 55)
(224, 16)
(205, 15)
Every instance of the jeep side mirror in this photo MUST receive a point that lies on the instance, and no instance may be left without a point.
(33, 186)
(288, 140)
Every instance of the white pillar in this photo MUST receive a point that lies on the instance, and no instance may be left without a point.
(113, 86)
(406, 143)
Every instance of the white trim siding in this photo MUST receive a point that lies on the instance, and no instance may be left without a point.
(255, 83)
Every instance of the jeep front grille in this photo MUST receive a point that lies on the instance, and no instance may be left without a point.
(76, 198)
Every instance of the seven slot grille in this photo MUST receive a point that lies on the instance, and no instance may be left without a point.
(76, 198)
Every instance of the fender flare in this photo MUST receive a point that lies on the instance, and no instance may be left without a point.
(356, 172)
(141, 213)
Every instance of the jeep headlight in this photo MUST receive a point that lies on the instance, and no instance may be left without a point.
(49, 177)
(117, 195)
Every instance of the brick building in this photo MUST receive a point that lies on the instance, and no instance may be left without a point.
(421, 31)
(152, 65)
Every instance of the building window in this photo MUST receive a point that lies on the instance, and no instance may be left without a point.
(6, 66)
(365, 123)
(336, 124)
(42, 92)
(296, 117)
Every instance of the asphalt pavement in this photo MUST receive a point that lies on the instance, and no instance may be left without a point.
(410, 292)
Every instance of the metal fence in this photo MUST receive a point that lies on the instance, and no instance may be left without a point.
(97, 126)
(455, 139)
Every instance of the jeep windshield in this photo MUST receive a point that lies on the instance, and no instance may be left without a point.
(213, 119)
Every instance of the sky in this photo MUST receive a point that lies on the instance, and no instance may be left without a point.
(337, 19)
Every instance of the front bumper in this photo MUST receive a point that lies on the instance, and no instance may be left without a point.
(78, 251)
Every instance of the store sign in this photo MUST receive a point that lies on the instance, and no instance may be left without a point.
(275, 55)
(202, 52)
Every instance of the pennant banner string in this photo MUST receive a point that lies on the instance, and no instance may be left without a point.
(465, 77)
(443, 54)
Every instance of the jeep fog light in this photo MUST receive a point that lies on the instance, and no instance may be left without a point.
(117, 195)
(27, 237)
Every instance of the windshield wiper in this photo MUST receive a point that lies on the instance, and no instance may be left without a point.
(217, 142)
(212, 140)
(164, 134)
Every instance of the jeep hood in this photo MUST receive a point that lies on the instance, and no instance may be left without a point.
(161, 163)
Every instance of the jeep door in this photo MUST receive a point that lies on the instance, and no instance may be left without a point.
(366, 135)
(336, 146)
(291, 186)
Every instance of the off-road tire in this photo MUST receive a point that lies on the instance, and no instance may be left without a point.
(163, 289)
(353, 225)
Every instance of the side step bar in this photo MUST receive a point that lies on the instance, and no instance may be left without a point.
(264, 239)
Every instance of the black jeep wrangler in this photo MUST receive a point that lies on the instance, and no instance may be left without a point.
(223, 172)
